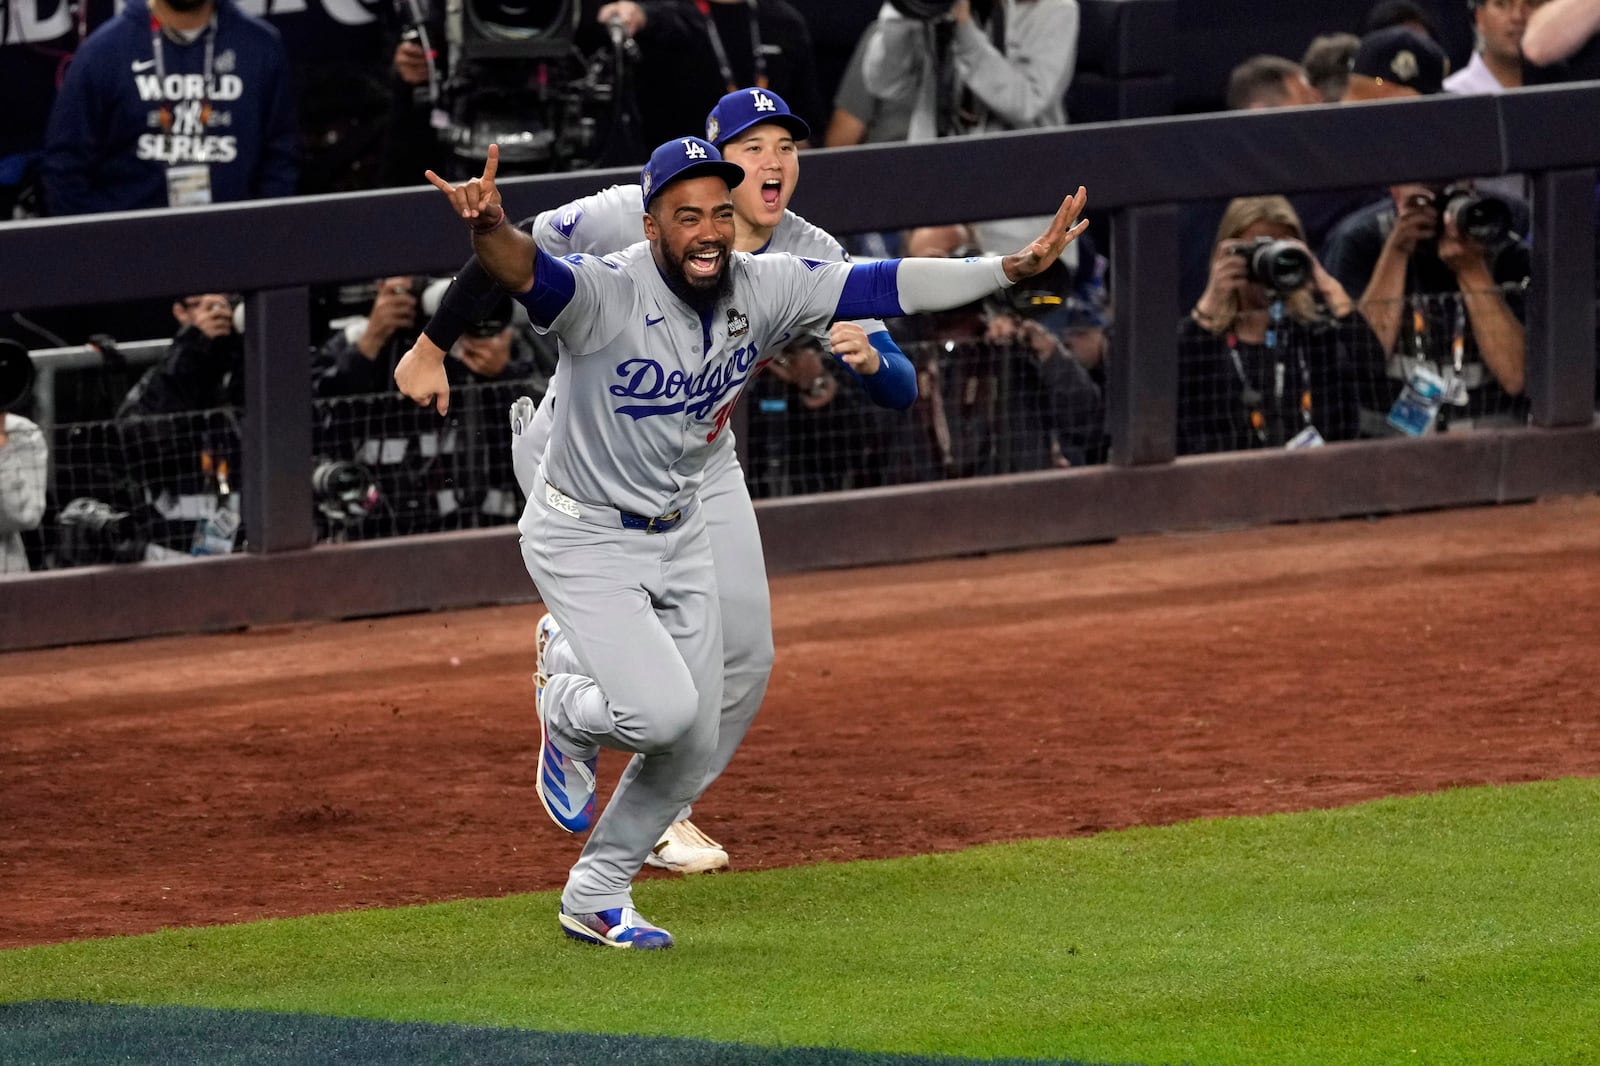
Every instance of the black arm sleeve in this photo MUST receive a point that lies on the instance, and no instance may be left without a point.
(468, 299)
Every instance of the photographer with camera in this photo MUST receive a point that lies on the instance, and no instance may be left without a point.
(23, 460)
(975, 66)
(1272, 353)
(1441, 271)
(203, 367)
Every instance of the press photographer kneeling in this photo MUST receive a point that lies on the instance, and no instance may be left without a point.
(1274, 352)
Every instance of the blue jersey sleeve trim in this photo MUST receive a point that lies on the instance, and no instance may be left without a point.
(553, 287)
(895, 384)
(871, 291)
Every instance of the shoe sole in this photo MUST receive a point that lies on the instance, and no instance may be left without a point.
(580, 932)
(703, 865)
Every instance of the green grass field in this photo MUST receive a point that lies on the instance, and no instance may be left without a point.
(1460, 927)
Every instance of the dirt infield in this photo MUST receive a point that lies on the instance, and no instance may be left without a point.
(921, 708)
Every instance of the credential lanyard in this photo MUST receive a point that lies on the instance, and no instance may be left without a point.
(757, 57)
(156, 53)
(1277, 339)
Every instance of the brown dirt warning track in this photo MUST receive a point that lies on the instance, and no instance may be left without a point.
(919, 708)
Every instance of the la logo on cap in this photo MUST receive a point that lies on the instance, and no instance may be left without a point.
(763, 102)
(693, 151)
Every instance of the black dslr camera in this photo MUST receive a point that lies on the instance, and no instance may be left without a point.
(1486, 219)
(1282, 266)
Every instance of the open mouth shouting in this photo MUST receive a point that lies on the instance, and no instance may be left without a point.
(704, 262)
(771, 191)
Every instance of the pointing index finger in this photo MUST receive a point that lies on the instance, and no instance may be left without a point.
(493, 163)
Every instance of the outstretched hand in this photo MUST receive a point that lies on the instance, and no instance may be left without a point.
(1064, 229)
(476, 200)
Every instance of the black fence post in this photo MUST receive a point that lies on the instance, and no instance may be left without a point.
(277, 420)
(1561, 298)
(1142, 377)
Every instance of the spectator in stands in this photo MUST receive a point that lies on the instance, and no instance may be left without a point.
(1269, 81)
(1562, 41)
(203, 367)
(859, 117)
(23, 456)
(692, 52)
(1386, 14)
(1327, 64)
(1496, 63)
(1263, 366)
(1007, 68)
(1495, 66)
(1396, 63)
(180, 103)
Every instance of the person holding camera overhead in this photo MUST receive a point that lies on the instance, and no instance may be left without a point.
(1272, 352)
(975, 66)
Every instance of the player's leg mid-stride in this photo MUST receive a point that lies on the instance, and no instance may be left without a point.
(565, 784)
(566, 788)
(683, 848)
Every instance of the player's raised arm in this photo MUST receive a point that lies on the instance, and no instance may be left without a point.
(909, 286)
(506, 254)
(505, 251)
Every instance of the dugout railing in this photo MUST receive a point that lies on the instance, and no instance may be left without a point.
(1137, 173)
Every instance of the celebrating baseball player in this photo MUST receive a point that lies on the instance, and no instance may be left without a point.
(656, 343)
(754, 128)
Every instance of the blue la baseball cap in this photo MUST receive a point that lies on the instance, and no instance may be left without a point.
(743, 108)
(686, 157)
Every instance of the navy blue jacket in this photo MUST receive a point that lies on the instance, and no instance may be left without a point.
(106, 149)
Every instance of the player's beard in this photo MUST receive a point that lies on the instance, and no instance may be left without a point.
(700, 294)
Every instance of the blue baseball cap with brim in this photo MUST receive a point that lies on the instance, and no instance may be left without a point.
(743, 108)
(686, 157)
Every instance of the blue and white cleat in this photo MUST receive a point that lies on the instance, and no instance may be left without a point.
(565, 785)
(620, 927)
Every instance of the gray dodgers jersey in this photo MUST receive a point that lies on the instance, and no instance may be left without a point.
(647, 385)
